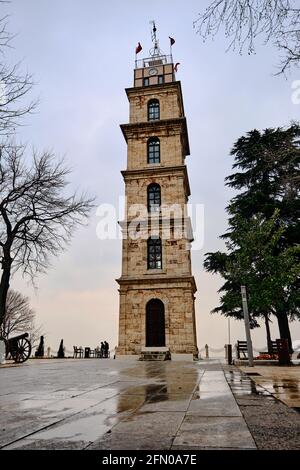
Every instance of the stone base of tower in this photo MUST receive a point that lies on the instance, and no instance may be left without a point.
(177, 297)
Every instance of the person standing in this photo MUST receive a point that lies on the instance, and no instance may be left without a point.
(102, 349)
(106, 348)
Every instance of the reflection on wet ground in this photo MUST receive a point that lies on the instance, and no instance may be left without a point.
(281, 382)
(120, 404)
(272, 424)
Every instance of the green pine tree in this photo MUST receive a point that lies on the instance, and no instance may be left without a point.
(268, 197)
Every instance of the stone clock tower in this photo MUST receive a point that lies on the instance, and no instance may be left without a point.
(157, 289)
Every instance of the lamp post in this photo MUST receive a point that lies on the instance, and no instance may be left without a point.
(247, 325)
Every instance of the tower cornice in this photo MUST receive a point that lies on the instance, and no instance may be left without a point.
(162, 223)
(161, 280)
(176, 124)
(148, 90)
(158, 171)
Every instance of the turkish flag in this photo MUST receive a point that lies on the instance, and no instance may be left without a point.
(172, 40)
(138, 48)
(176, 66)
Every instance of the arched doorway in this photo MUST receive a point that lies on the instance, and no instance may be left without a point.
(155, 323)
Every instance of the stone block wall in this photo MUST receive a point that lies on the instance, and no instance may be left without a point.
(170, 149)
(179, 317)
(170, 104)
(173, 189)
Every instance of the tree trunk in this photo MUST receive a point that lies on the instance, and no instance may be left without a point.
(269, 340)
(284, 328)
(4, 286)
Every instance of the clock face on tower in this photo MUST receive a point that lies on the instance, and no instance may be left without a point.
(153, 71)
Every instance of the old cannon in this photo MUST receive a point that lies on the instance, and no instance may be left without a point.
(18, 348)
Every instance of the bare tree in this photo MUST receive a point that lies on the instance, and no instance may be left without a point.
(244, 20)
(19, 316)
(37, 217)
(14, 86)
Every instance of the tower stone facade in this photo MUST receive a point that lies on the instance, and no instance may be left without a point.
(157, 289)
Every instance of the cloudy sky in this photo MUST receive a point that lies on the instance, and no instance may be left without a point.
(81, 53)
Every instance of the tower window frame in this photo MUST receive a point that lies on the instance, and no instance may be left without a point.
(153, 150)
(154, 253)
(160, 79)
(153, 197)
(146, 81)
(153, 110)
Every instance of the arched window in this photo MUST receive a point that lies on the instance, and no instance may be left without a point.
(154, 253)
(154, 197)
(153, 150)
(153, 110)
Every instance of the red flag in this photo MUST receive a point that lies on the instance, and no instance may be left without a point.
(176, 66)
(172, 40)
(138, 48)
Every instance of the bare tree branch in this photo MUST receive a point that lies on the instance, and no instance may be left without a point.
(14, 85)
(37, 216)
(243, 21)
(19, 316)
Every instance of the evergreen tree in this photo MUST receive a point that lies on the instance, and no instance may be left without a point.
(61, 350)
(268, 178)
(268, 186)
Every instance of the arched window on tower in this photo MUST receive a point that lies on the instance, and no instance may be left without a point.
(154, 253)
(153, 150)
(153, 197)
(153, 110)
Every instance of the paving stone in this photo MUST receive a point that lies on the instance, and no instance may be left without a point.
(207, 404)
(272, 424)
(151, 423)
(83, 427)
(122, 441)
(78, 404)
(220, 432)
(167, 402)
(46, 444)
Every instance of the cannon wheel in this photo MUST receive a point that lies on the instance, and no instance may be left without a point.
(23, 350)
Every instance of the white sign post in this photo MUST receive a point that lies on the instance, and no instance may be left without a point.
(247, 326)
(2, 352)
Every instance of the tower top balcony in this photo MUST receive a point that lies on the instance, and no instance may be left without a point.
(153, 61)
(154, 70)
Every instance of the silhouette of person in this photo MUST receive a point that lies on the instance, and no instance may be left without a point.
(102, 349)
(106, 348)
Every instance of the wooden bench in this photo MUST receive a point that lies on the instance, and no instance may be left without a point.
(274, 347)
(242, 348)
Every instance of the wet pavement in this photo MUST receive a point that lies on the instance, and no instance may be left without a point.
(111, 404)
(282, 382)
(120, 404)
(273, 425)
